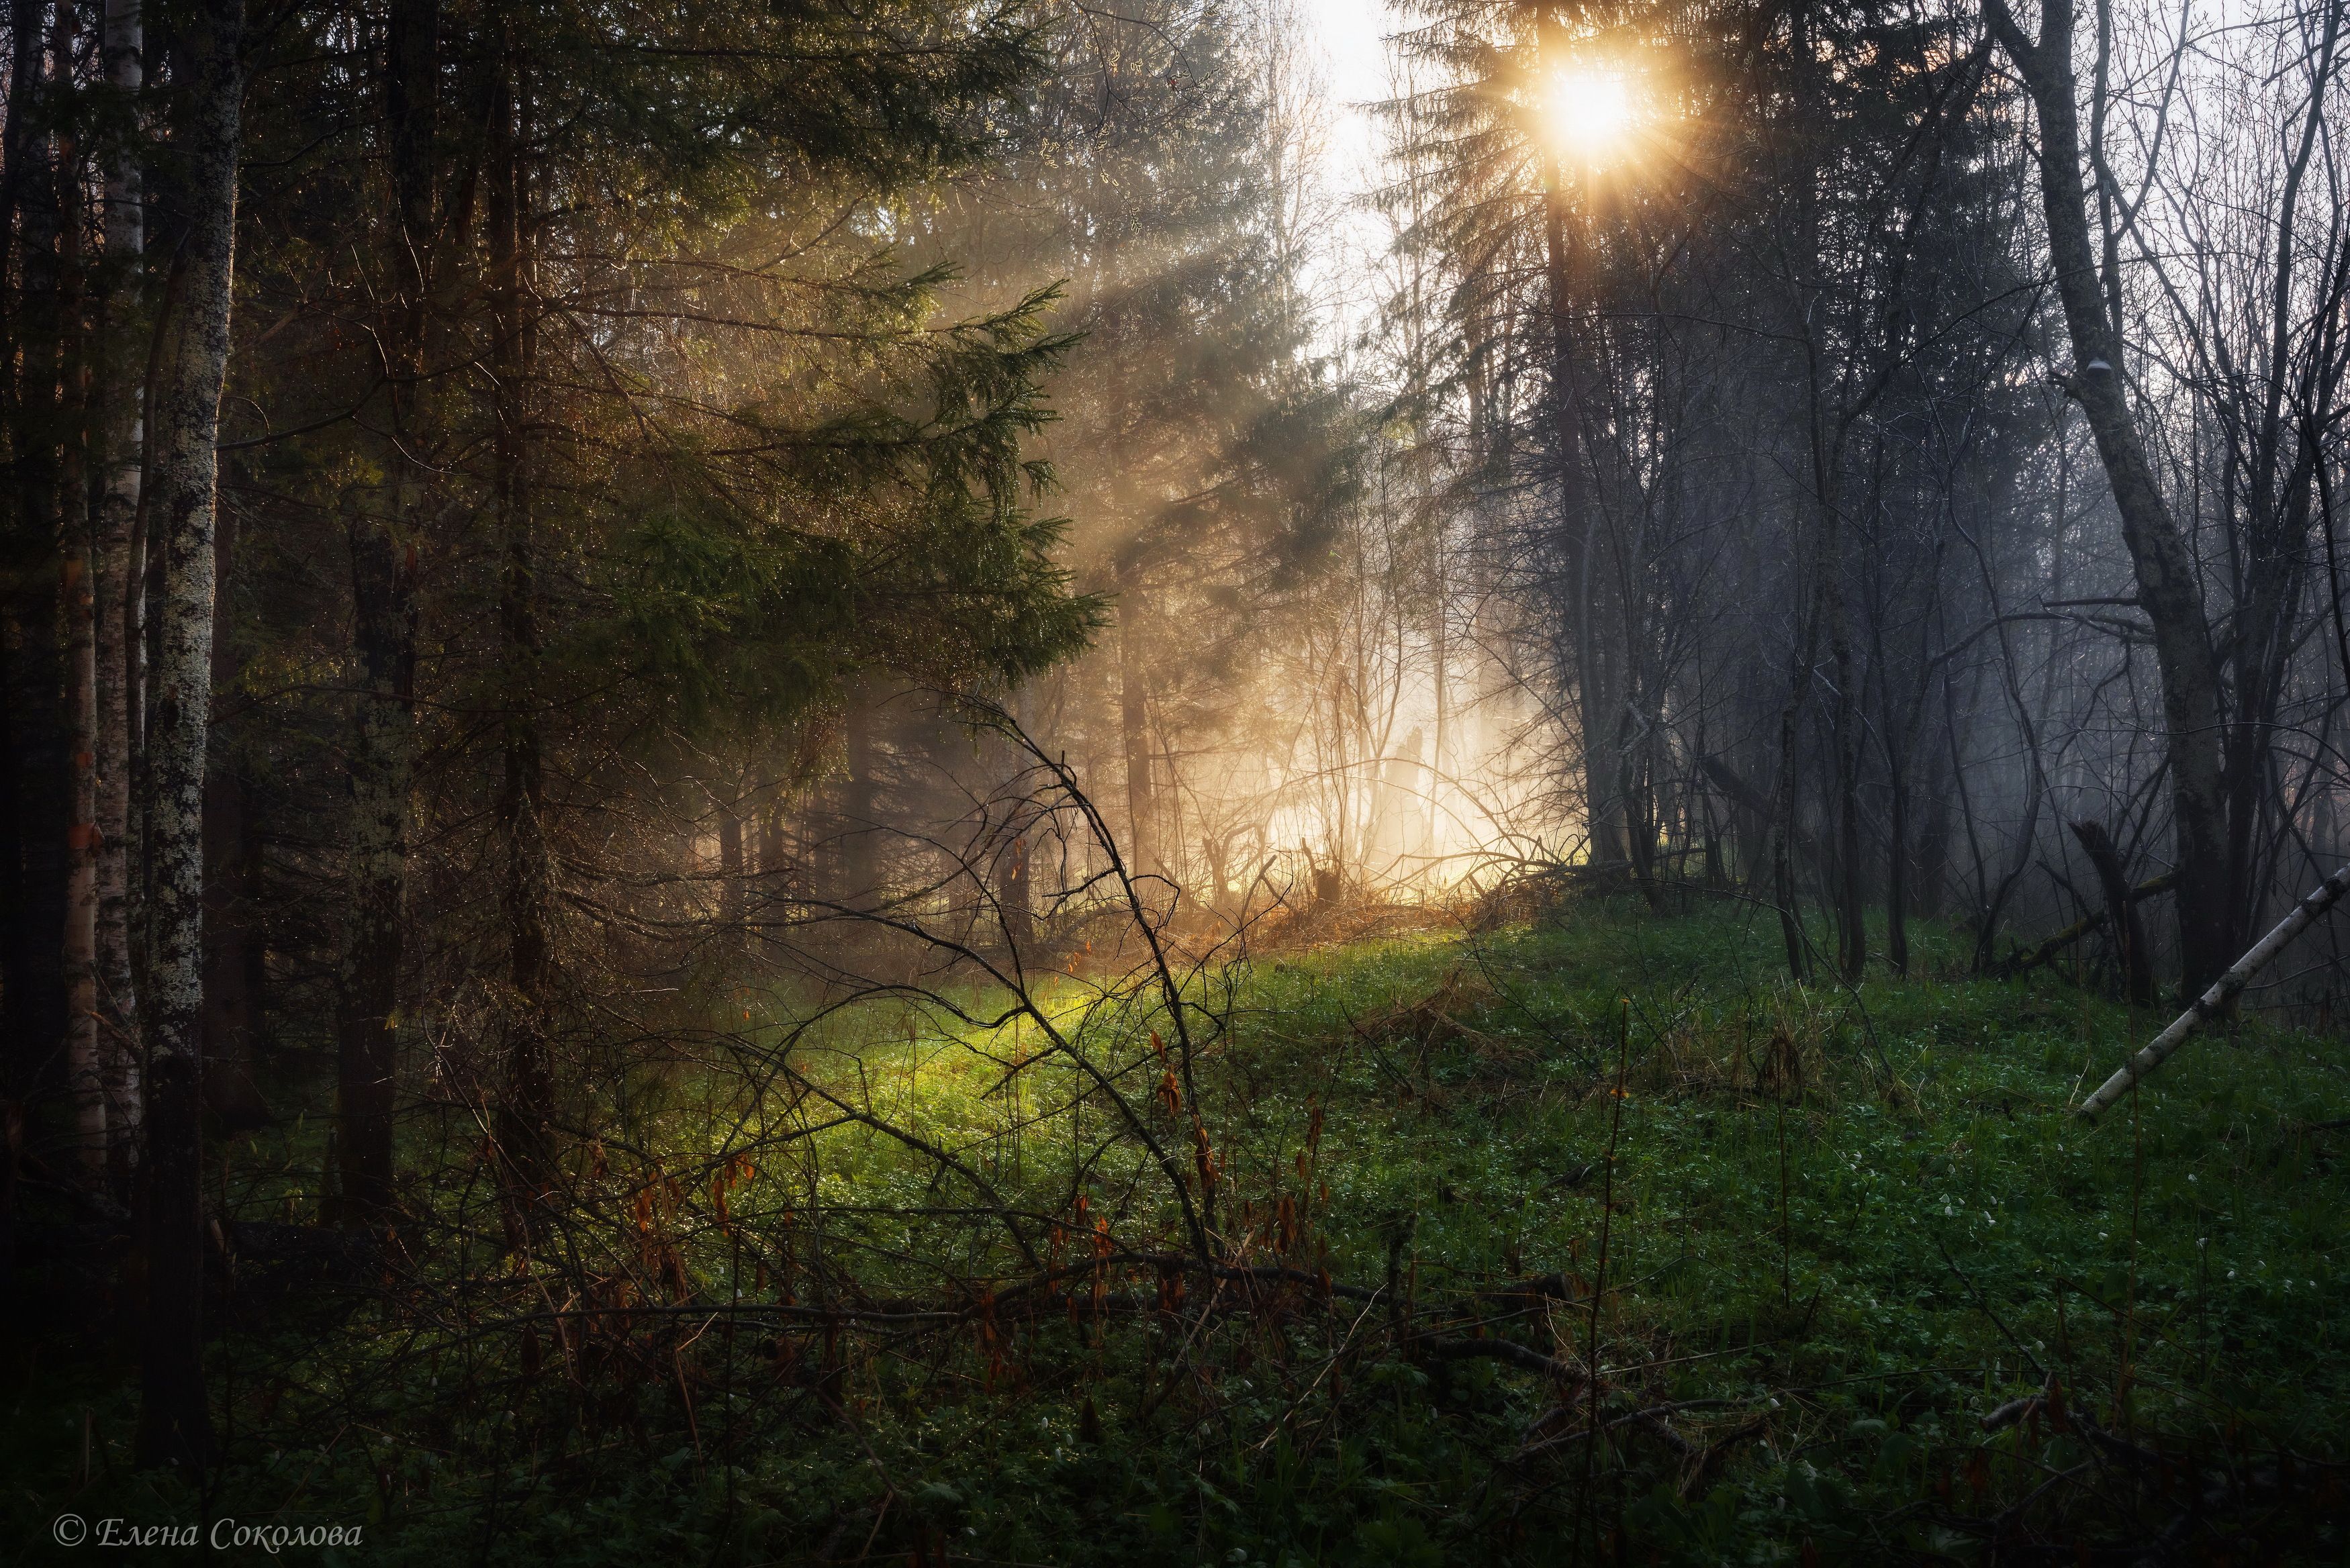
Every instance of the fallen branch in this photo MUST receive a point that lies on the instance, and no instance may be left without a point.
(1716, 1451)
(2032, 958)
(2050, 1400)
(1656, 1419)
(2224, 991)
(1507, 1350)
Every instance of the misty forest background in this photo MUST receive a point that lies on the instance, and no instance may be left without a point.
(803, 781)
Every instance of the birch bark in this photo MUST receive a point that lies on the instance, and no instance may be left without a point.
(2218, 998)
(173, 1422)
(114, 434)
(84, 1047)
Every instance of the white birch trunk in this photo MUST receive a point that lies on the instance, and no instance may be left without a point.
(175, 1422)
(84, 1037)
(118, 599)
(85, 1074)
(2224, 990)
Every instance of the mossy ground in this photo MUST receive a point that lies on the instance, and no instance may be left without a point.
(1839, 1227)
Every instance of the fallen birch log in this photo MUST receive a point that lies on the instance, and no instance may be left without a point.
(2224, 990)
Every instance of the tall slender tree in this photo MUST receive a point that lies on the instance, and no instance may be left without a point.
(191, 362)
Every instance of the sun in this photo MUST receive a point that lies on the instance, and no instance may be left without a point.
(1590, 110)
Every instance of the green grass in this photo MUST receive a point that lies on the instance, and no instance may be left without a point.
(1838, 1228)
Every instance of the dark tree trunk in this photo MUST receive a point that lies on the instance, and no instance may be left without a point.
(2121, 911)
(774, 853)
(34, 816)
(1931, 884)
(1133, 733)
(34, 1004)
(230, 903)
(857, 831)
(526, 1115)
(232, 946)
(1786, 808)
(1897, 873)
(231, 898)
(381, 767)
(1851, 872)
(384, 549)
(730, 871)
(32, 972)
(32, 777)
(2210, 928)
(778, 883)
(1012, 898)
(29, 974)
(1602, 758)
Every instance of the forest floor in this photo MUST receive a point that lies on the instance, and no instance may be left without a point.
(1859, 1288)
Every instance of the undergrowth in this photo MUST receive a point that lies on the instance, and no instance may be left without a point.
(1852, 1286)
